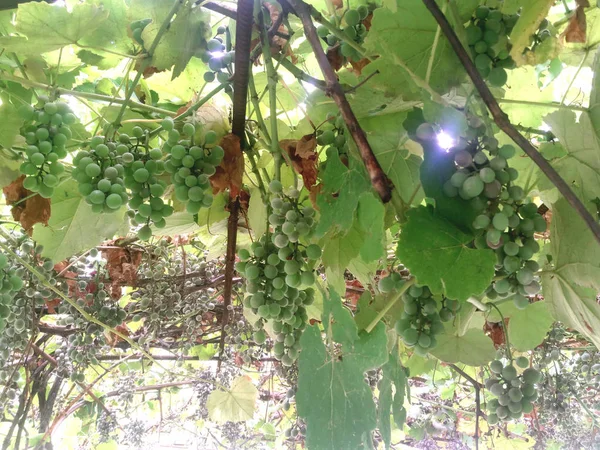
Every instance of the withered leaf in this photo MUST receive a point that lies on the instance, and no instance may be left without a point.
(303, 157)
(122, 264)
(34, 209)
(231, 170)
(576, 31)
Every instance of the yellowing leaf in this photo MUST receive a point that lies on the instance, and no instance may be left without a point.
(235, 405)
(532, 14)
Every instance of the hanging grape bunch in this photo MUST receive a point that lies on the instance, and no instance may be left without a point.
(333, 138)
(191, 164)
(421, 319)
(514, 392)
(219, 58)
(137, 28)
(46, 132)
(279, 275)
(487, 36)
(142, 167)
(354, 29)
(10, 284)
(100, 175)
(507, 221)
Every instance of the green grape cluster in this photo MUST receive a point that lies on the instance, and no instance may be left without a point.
(10, 284)
(279, 275)
(354, 29)
(137, 28)
(514, 393)
(487, 36)
(191, 166)
(142, 169)
(333, 137)
(421, 320)
(507, 220)
(100, 175)
(219, 59)
(46, 132)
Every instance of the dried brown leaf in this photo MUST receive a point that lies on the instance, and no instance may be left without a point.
(122, 264)
(303, 157)
(335, 58)
(576, 31)
(231, 170)
(35, 209)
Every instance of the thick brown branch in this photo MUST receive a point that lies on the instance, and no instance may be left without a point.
(503, 122)
(378, 178)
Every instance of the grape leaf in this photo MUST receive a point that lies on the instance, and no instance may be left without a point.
(532, 14)
(332, 396)
(389, 141)
(393, 374)
(580, 167)
(594, 108)
(257, 214)
(73, 226)
(113, 37)
(342, 187)
(406, 30)
(9, 169)
(339, 250)
(235, 405)
(46, 27)
(473, 348)
(527, 327)
(177, 223)
(438, 255)
(570, 288)
(10, 123)
(370, 214)
(575, 54)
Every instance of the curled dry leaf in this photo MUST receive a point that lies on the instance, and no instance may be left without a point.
(278, 43)
(576, 31)
(496, 332)
(303, 157)
(122, 264)
(231, 170)
(34, 209)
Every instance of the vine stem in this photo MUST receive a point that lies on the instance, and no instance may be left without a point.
(378, 178)
(512, 101)
(477, 386)
(504, 124)
(159, 34)
(79, 309)
(88, 95)
(389, 304)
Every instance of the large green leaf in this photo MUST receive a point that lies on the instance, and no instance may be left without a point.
(532, 14)
(580, 165)
(73, 227)
(9, 169)
(10, 123)
(572, 285)
(257, 214)
(439, 256)
(527, 328)
(46, 27)
(370, 214)
(332, 395)
(474, 348)
(391, 402)
(235, 405)
(342, 187)
(405, 30)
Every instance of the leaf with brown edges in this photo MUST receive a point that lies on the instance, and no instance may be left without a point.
(231, 170)
(303, 157)
(576, 31)
(35, 209)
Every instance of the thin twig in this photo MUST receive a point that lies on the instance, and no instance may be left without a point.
(378, 178)
(477, 386)
(503, 121)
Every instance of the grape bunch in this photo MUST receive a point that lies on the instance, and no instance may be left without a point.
(506, 220)
(487, 36)
(100, 175)
(514, 393)
(46, 132)
(10, 284)
(219, 59)
(137, 28)
(191, 165)
(142, 169)
(279, 275)
(421, 321)
(334, 138)
(354, 29)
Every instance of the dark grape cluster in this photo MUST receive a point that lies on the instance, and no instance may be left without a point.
(421, 320)
(279, 275)
(507, 221)
(514, 393)
(488, 38)
(100, 175)
(191, 164)
(219, 59)
(137, 28)
(46, 132)
(354, 29)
